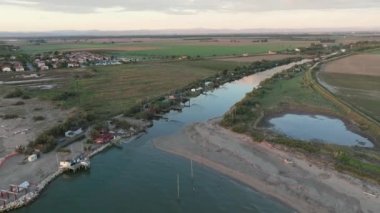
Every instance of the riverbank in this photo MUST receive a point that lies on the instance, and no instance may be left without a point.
(305, 185)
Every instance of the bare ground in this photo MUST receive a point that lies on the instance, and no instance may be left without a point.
(363, 64)
(23, 129)
(305, 186)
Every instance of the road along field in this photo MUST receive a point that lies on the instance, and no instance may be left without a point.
(355, 79)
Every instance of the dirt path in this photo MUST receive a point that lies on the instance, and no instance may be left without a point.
(292, 180)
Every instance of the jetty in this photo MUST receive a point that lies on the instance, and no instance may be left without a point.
(81, 161)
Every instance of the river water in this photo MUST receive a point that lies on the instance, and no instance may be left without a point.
(140, 178)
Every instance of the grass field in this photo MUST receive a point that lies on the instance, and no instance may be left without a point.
(360, 90)
(281, 93)
(210, 50)
(294, 92)
(377, 51)
(114, 89)
(51, 47)
(163, 48)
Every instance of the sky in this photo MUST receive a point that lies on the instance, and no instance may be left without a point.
(121, 15)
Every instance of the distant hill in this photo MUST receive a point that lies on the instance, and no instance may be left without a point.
(177, 32)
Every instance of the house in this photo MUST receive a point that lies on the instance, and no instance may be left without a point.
(297, 50)
(19, 68)
(40, 64)
(104, 137)
(42, 68)
(72, 65)
(6, 69)
(64, 164)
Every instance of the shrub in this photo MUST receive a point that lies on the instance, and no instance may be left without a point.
(121, 124)
(10, 116)
(45, 142)
(15, 93)
(38, 118)
(65, 96)
(25, 97)
(19, 103)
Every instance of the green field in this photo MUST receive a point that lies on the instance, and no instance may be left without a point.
(51, 47)
(113, 89)
(207, 50)
(293, 92)
(360, 90)
(376, 51)
(283, 92)
(164, 48)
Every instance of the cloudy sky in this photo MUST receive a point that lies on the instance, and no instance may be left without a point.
(46, 15)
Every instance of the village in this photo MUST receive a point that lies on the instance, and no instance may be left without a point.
(57, 60)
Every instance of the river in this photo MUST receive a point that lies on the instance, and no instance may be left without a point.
(140, 178)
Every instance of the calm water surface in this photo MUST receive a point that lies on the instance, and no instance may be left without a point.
(140, 178)
(318, 128)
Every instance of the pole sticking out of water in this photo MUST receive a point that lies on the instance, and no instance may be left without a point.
(191, 169)
(56, 156)
(177, 186)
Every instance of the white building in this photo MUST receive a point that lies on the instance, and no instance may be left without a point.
(19, 68)
(6, 69)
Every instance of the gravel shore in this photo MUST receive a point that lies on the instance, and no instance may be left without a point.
(293, 180)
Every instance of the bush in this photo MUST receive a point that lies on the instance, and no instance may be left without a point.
(121, 124)
(25, 97)
(45, 142)
(38, 118)
(133, 110)
(15, 93)
(10, 116)
(19, 103)
(65, 96)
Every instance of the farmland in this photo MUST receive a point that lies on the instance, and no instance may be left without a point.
(362, 64)
(356, 79)
(165, 47)
(359, 90)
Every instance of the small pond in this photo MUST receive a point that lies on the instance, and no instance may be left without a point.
(317, 128)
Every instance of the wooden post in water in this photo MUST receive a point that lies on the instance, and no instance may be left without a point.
(177, 186)
(191, 169)
(56, 156)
